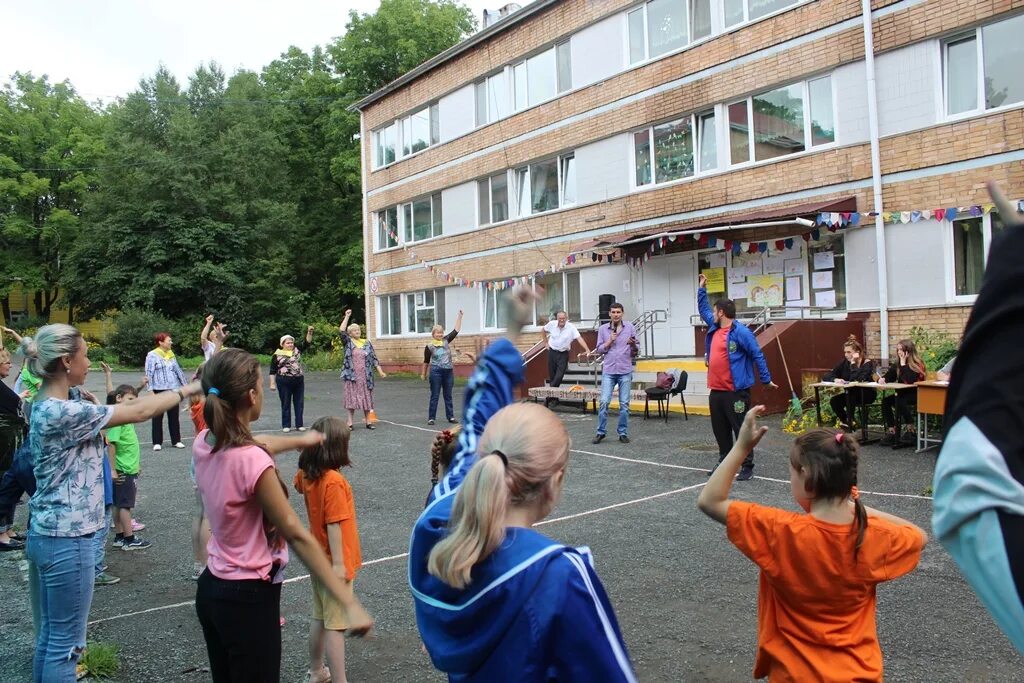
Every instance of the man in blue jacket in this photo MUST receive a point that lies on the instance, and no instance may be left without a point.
(731, 351)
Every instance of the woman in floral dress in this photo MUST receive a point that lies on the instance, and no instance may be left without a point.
(357, 371)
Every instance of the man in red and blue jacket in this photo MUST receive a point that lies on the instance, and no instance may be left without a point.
(731, 351)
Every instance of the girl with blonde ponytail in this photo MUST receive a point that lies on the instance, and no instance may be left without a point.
(496, 600)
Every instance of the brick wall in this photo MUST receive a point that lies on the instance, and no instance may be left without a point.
(950, 320)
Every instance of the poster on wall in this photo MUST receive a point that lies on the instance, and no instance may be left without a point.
(716, 279)
(795, 251)
(794, 267)
(794, 288)
(738, 290)
(774, 264)
(716, 259)
(735, 277)
(747, 264)
(824, 260)
(821, 279)
(825, 299)
(764, 290)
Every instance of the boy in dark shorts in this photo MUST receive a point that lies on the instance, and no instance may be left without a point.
(125, 460)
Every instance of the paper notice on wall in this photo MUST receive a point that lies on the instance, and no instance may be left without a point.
(764, 290)
(774, 264)
(716, 279)
(821, 279)
(825, 299)
(738, 290)
(747, 264)
(716, 259)
(794, 290)
(735, 277)
(795, 251)
(794, 267)
(824, 260)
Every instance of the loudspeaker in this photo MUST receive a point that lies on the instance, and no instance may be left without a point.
(604, 303)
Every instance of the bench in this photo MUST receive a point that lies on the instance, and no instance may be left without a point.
(581, 396)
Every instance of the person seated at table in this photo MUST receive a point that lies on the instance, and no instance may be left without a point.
(853, 368)
(943, 374)
(908, 370)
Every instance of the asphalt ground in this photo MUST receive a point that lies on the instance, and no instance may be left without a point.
(686, 599)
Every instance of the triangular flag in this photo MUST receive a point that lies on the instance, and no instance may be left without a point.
(854, 219)
(940, 214)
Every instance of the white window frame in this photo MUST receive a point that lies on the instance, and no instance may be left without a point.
(407, 234)
(697, 142)
(979, 57)
(950, 254)
(514, 188)
(384, 310)
(493, 294)
(381, 246)
(403, 128)
(490, 199)
(416, 306)
(565, 288)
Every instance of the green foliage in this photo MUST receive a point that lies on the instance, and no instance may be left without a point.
(936, 348)
(796, 424)
(100, 660)
(133, 333)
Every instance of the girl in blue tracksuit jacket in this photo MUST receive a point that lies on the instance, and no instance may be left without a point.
(495, 600)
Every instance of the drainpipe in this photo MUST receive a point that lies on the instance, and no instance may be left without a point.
(876, 182)
(367, 236)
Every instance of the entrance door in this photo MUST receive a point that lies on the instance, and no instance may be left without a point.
(669, 284)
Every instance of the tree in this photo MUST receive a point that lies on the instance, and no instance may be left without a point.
(50, 140)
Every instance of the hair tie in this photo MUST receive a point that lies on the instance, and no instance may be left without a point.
(504, 458)
(213, 390)
(854, 493)
(839, 437)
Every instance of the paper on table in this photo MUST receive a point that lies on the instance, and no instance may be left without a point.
(821, 279)
(794, 267)
(825, 299)
(794, 290)
(824, 260)
(774, 264)
(738, 290)
(716, 259)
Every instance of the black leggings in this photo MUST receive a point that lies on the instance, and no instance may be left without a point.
(728, 408)
(903, 401)
(241, 623)
(172, 423)
(847, 402)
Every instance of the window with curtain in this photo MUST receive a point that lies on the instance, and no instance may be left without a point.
(422, 218)
(564, 56)
(390, 315)
(642, 156)
(666, 26)
(387, 228)
(542, 76)
(673, 150)
(707, 141)
(544, 186)
(968, 255)
(495, 305)
(561, 293)
(700, 19)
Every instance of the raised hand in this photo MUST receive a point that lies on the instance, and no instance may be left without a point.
(209, 319)
(106, 368)
(750, 433)
(702, 281)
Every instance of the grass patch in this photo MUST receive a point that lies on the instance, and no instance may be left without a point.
(100, 660)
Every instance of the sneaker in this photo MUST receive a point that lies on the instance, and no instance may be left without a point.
(623, 438)
(136, 544)
(286, 430)
(746, 472)
(452, 420)
(301, 429)
(597, 438)
(105, 579)
(430, 422)
(157, 447)
(197, 570)
(323, 677)
(179, 445)
(137, 525)
(118, 543)
(889, 439)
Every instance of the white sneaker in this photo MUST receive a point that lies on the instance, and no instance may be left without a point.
(179, 445)
(286, 430)
(302, 429)
(157, 447)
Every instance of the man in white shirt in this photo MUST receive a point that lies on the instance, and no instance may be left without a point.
(560, 334)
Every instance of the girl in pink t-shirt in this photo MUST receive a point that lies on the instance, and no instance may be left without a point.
(238, 596)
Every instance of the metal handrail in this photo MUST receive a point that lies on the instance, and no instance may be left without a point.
(765, 316)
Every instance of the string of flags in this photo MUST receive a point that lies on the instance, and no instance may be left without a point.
(831, 221)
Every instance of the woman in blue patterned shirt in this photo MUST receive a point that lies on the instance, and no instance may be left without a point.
(66, 510)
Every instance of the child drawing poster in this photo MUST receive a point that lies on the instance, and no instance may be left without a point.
(765, 290)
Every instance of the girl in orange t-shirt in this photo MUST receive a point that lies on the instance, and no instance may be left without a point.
(332, 521)
(816, 592)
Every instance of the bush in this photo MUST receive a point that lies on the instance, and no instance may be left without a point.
(132, 337)
(936, 348)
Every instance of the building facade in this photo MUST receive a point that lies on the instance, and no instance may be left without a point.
(622, 147)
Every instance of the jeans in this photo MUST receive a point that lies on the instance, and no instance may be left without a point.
(558, 361)
(608, 383)
(172, 423)
(441, 378)
(293, 391)
(64, 576)
(242, 628)
(100, 545)
(728, 408)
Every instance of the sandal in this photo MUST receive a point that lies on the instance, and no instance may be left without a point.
(11, 545)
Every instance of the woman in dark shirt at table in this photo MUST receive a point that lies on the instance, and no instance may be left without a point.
(908, 370)
(853, 368)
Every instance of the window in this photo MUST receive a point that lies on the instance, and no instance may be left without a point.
(700, 19)
(497, 97)
(982, 68)
(387, 228)
(657, 27)
(435, 123)
(389, 136)
(735, 12)
(677, 147)
(519, 84)
(495, 306)
(493, 199)
(541, 76)
(972, 241)
(561, 293)
(545, 185)
(407, 135)
(564, 55)
(424, 309)
(637, 36)
(783, 121)
(390, 315)
(422, 218)
(760, 8)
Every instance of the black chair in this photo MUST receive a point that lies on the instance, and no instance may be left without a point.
(663, 397)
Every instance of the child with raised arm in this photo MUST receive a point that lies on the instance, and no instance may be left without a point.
(496, 600)
(819, 569)
(332, 521)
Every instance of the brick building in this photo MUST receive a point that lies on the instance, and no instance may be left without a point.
(619, 147)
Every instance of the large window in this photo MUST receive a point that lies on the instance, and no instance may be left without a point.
(782, 121)
(387, 228)
(545, 185)
(676, 149)
(495, 306)
(493, 199)
(407, 135)
(390, 315)
(423, 310)
(972, 241)
(561, 293)
(492, 98)
(540, 77)
(982, 69)
(422, 218)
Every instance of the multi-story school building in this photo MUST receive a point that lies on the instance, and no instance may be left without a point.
(622, 147)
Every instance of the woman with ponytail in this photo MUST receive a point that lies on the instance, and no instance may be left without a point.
(897, 408)
(816, 600)
(66, 510)
(496, 600)
(238, 597)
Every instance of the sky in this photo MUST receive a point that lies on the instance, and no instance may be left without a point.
(104, 47)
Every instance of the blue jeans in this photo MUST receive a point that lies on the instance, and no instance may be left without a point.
(100, 544)
(608, 383)
(292, 390)
(441, 378)
(64, 572)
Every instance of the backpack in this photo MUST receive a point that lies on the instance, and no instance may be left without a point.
(664, 381)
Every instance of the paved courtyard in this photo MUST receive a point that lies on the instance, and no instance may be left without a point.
(686, 599)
